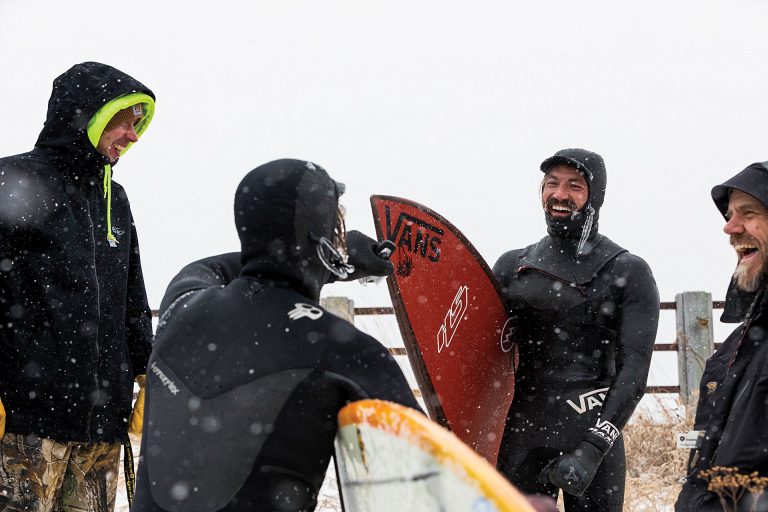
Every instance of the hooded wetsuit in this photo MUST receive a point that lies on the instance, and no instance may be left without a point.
(249, 372)
(585, 313)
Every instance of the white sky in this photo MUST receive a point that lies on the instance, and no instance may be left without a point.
(451, 104)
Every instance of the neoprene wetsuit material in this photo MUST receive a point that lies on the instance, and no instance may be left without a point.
(248, 372)
(585, 313)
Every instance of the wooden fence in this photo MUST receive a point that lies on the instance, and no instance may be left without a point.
(694, 342)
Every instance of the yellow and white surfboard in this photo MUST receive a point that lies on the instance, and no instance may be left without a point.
(390, 457)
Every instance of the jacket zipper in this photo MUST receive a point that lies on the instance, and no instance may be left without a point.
(98, 314)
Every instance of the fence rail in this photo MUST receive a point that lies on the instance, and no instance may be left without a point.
(694, 341)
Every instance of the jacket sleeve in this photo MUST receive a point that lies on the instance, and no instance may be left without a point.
(138, 316)
(217, 270)
(638, 322)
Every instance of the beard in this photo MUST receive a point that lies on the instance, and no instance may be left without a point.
(749, 275)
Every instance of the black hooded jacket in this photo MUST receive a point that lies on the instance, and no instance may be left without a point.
(732, 412)
(249, 372)
(76, 328)
(586, 313)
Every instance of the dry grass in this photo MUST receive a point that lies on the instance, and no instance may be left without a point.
(655, 465)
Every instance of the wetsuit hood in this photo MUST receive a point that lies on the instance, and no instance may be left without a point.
(753, 181)
(583, 223)
(83, 100)
(573, 250)
(282, 211)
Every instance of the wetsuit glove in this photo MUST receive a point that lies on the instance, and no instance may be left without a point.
(136, 421)
(573, 472)
(2, 419)
(367, 256)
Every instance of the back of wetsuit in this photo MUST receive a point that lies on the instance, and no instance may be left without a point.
(244, 386)
(248, 372)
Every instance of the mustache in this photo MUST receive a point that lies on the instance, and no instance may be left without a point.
(556, 202)
(744, 239)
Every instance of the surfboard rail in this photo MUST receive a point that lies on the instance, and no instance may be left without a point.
(402, 431)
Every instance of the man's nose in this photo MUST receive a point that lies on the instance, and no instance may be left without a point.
(561, 193)
(733, 226)
(131, 134)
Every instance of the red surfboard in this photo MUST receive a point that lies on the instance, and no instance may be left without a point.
(453, 322)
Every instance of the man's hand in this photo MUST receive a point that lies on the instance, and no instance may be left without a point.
(136, 421)
(573, 472)
(2, 419)
(365, 256)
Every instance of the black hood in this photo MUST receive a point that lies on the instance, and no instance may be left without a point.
(282, 209)
(77, 95)
(593, 167)
(753, 181)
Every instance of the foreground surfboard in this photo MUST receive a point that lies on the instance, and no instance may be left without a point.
(452, 320)
(390, 457)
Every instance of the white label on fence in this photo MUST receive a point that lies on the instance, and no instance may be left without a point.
(689, 440)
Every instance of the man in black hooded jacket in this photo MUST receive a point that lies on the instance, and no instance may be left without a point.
(76, 328)
(732, 412)
(585, 313)
(248, 372)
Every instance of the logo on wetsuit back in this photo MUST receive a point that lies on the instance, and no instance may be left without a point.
(305, 311)
(412, 235)
(167, 382)
(453, 318)
(589, 400)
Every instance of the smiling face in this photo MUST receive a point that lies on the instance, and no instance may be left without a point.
(747, 225)
(564, 191)
(118, 134)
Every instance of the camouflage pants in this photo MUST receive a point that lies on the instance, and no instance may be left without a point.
(42, 475)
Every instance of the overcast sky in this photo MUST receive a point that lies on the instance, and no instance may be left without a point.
(451, 104)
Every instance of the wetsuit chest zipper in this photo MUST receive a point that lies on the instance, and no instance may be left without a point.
(581, 288)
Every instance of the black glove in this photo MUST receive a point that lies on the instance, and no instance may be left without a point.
(369, 257)
(573, 472)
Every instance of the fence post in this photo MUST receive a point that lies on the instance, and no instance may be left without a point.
(695, 342)
(342, 307)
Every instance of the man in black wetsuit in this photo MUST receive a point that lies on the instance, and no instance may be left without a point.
(586, 313)
(248, 372)
(732, 412)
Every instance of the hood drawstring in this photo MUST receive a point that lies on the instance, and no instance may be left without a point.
(108, 195)
(586, 229)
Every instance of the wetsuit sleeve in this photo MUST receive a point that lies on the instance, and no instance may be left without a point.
(202, 274)
(504, 270)
(368, 367)
(138, 315)
(639, 319)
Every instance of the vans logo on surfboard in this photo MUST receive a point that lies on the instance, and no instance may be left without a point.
(412, 235)
(588, 401)
(453, 318)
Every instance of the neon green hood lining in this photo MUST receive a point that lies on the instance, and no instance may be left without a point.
(105, 114)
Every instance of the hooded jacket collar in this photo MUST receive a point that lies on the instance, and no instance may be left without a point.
(78, 94)
(753, 181)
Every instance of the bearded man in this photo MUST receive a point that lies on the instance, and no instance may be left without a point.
(585, 314)
(732, 413)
